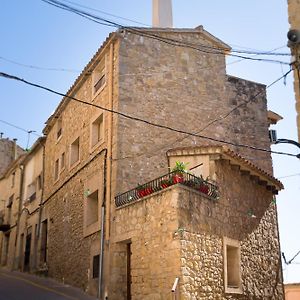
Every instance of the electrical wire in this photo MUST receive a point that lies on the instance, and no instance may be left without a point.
(288, 176)
(20, 128)
(174, 42)
(288, 262)
(72, 9)
(105, 13)
(220, 118)
(37, 67)
(138, 119)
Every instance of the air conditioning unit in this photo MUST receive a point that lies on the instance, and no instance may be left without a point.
(272, 136)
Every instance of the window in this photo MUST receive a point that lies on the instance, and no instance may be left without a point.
(92, 208)
(39, 182)
(56, 169)
(96, 262)
(97, 131)
(13, 179)
(74, 152)
(44, 234)
(232, 266)
(62, 161)
(99, 78)
(59, 128)
(31, 192)
(9, 209)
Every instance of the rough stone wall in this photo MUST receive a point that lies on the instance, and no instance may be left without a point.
(204, 224)
(68, 250)
(249, 122)
(6, 191)
(184, 89)
(7, 153)
(294, 20)
(180, 218)
(70, 253)
(149, 225)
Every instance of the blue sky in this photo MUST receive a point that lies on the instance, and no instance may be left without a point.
(36, 34)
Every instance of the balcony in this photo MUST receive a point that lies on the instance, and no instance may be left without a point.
(207, 188)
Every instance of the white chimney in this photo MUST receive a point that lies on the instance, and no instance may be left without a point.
(162, 14)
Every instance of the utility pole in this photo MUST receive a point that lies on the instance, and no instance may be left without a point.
(294, 44)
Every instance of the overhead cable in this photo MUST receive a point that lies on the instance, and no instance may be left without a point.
(138, 119)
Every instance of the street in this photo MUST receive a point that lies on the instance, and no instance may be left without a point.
(17, 286)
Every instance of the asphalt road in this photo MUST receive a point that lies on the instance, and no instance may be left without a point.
(20, 286)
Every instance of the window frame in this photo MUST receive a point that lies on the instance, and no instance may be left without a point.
(72, 164)
(59, 129)
(99, 73)
(101, 132)
(56, 170)
(230, 243)
(91, 186)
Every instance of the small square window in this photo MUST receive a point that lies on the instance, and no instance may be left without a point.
(92, 208)
(97, 131)
(232, 266)
(56, 169)
(74, 152)
(99, 77)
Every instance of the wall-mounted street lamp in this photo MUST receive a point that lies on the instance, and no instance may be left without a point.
(287, 141)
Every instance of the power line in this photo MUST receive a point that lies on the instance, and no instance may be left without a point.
(250, 51)
(174, 42)
(20, 128)
(220, 118)
(37, 67)
(106, 13)
(127, 116)
(291, 260)
(287, 176)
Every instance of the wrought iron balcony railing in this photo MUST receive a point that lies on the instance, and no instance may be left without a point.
(197, 183)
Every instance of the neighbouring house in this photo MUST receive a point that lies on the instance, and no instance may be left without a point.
(112, 217)
(292, 291)
(9, 151)
(10, 201)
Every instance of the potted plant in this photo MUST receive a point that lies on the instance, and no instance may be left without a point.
(204, 186)
(143, 190)
(165, 183)
(178, 171)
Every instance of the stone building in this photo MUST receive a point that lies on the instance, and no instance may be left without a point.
(214, 239)
(9, 151)
(294, 20)
(10, 201)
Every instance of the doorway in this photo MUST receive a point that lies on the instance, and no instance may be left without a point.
(27, 252)
(128, 267)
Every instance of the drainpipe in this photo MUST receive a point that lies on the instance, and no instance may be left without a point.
(19, 214)
(100, 285)
(37, 234)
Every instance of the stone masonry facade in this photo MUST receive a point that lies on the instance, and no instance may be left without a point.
(89, 155)
(179, 233)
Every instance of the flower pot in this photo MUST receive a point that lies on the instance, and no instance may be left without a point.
(177, 178)
(204, 188)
